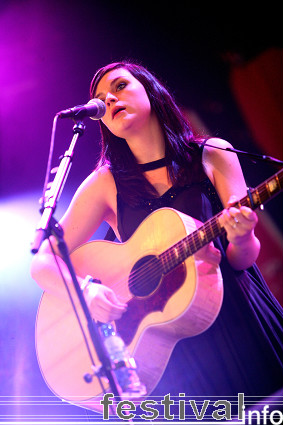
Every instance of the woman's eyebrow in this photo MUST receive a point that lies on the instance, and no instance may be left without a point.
(111, 85)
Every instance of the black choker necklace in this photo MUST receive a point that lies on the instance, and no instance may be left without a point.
(153, 165)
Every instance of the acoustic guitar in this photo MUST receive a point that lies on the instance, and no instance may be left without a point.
(172, 292)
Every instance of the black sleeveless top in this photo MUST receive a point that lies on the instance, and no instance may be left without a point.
(242, 351)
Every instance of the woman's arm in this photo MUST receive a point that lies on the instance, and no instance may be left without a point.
(94, 202)
(224, 170)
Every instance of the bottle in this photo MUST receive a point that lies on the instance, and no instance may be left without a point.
(123, 364)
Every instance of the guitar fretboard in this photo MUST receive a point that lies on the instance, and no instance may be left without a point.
(211, 229)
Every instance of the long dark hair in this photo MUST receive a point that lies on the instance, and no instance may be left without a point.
(179, 149)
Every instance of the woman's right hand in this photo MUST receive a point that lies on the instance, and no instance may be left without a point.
(102, 302)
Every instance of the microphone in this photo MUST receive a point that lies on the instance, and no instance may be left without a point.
(94, 109)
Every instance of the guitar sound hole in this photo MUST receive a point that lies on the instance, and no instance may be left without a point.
(145, 276)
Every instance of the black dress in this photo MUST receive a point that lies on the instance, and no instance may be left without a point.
(242, 351)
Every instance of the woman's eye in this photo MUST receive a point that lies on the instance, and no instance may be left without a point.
(120, 86)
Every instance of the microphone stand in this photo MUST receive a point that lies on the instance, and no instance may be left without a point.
(254, 156)
(47, 226)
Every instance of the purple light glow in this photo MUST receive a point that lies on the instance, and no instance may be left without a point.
(38, 70)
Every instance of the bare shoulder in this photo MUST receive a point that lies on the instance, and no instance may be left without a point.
(216, 141)
(219, 144)
(213, 155)
(93, 203)
(224, 169)
(98, 178)
(97, 192)
(99, 186)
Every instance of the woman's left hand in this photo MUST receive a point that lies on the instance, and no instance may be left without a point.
(239, 223)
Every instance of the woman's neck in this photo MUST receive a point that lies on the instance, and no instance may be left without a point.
(149, 144)
(147, 152)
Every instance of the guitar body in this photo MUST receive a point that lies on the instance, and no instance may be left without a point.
(164, 308)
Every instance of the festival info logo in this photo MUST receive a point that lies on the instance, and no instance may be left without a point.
(194, 411)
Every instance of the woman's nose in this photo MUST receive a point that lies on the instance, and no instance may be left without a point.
(110, 98)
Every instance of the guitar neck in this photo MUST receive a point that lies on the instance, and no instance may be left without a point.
(211, 229)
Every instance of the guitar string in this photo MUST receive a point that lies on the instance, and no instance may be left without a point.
(208, 227)
(142, 272)
(193, 245)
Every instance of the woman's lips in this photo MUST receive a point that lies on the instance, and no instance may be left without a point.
(116, 111)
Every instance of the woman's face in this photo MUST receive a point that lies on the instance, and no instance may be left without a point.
(128, 109)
